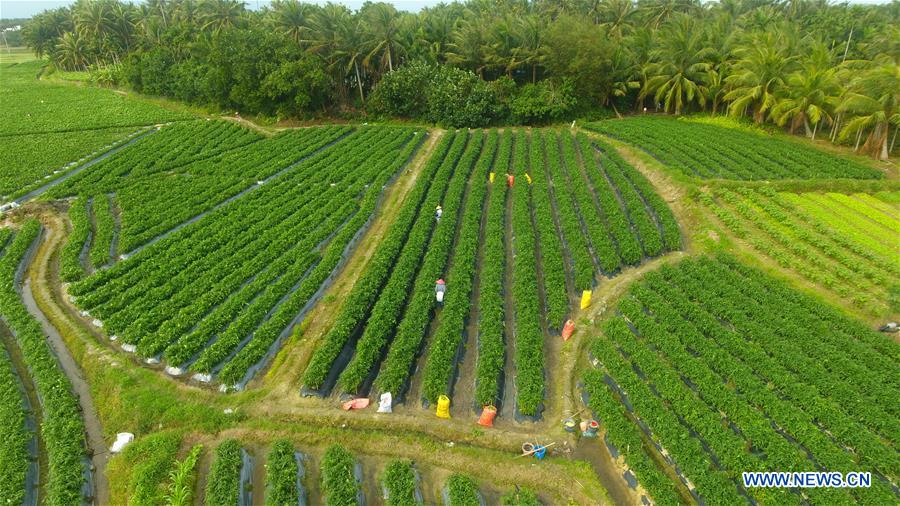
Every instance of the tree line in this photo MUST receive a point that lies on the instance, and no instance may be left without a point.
(806, 65)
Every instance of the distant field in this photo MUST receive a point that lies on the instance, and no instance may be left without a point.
(48, 129)
(708, 151)
(845, 244)
(15, 55)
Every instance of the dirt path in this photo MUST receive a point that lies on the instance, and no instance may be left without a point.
(40, 269)
(293, 357)
(508, 398)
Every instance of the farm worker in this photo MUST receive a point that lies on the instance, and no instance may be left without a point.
(438, 212)
(510, 179)
(439, 289)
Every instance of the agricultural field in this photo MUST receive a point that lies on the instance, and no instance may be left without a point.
(290, 475)
(50, 129)
(257, 307)
(530, 220)
(843, 244)
(711, 152)
(724, 370)
(215, 295)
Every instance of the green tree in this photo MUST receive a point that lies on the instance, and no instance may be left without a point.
(873, 98)
(677, 78)
(763, 63)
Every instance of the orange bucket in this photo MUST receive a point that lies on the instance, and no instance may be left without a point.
(487, 416)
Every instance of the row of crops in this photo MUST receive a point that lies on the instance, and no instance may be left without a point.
(187, 169)
(336, 477)
(61, 426)
(708, 151)
(712, 368)
(215, 298)
(573, 213)
(844, 244)
(49, 129)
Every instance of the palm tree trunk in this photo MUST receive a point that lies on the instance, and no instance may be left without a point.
(359, 82)
(858, 137)
(806, 127)
(892, 141)
(390, 60)
(815, 127)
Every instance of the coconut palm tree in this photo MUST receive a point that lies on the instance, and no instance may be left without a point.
(291, 18)
(873, 98)
(217, 15)
(763, 63)
(811, 94)
(470, 40)
(678, 75)
(382, 26)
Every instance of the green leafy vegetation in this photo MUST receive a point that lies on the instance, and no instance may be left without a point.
(707, 151)
(224, 481)
(462, 490)
(399, 482)
(281, 475)
(62, 427)
(718, 359)
(339, 484)
(841, 243)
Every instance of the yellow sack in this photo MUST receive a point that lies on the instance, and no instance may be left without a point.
(585, 299)
(443, 407)
(528, 178)
(491, 176)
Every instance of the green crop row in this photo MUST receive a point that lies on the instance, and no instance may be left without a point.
(447, 189)
(462, 490)
(339, 484)
(268, 332)
(573, 237)
(399, 482)
(552, 263)
(62, 428)
(588, 214)
(491, 303)
(282, 474)
(366, 290)
(529, 336)
(14, 455)
(763, 375)
(644, 226)
(182, 478)
(70, 268)
(710, 151)
(223, 485)
(438, 369)
(104, 223)
(629, 248)
(626, 436)
(410, 333)
(31, 161)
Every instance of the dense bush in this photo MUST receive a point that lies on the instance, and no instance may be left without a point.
(440, 94)
(543, 102)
